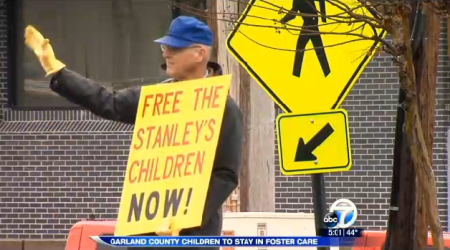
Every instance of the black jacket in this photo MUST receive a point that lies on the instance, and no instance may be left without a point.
(122, 106)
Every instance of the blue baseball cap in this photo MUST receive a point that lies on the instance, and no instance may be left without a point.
(185, 31)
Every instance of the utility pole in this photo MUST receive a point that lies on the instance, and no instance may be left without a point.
(425, 63)
(401, 230)
(258, 179)
(257, 182)
(408, 223)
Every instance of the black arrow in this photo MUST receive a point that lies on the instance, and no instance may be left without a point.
(304, 151)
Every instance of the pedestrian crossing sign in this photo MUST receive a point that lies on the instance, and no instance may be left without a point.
(306, 54)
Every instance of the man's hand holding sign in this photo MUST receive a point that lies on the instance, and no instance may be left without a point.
(172, 154)
(185, 156)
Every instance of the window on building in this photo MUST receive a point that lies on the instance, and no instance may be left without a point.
(110, 41)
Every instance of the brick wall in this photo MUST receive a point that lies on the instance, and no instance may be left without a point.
(57, 166)
(371, 106)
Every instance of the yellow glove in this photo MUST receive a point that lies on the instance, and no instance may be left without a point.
(168, 229)
(43, 50)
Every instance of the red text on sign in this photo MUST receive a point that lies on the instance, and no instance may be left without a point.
(179, 165)
(173, 135)
(207, 97)
(184, 165)
(163, 103)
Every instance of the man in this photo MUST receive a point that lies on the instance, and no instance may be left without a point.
(186, 49)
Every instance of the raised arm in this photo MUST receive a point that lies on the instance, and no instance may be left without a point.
(119, 106)
(112, 105)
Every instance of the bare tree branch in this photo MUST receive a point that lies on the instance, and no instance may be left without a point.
(357, 18)
(293, 50)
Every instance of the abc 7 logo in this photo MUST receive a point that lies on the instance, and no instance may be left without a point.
(343, 214)
(331, 219)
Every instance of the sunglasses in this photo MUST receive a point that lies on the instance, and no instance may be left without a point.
(165, 48)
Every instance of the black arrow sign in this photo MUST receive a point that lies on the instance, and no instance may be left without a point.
(304, 151)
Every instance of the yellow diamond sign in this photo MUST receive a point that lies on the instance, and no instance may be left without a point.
(314, 143)
(304, 61)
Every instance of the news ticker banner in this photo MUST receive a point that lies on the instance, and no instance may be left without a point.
(225, 241)
(171, 156)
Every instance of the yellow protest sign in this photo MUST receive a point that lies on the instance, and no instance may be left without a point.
(304, 62)
(172, 154)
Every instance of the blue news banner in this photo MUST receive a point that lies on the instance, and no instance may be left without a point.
(340, 238)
